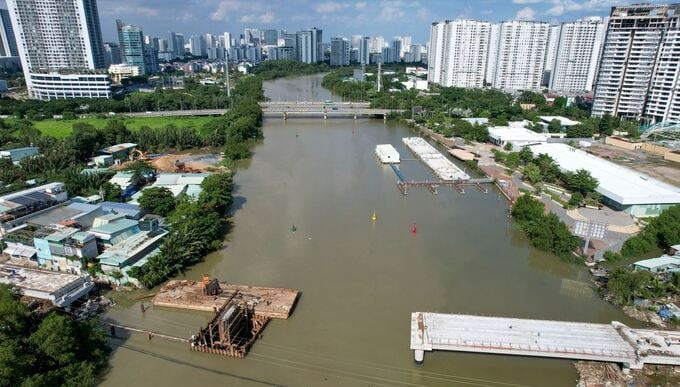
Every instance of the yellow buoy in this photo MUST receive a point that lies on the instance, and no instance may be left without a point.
(374, 217)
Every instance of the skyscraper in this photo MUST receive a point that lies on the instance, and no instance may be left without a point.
(578, 50)
(53, 36)
(395, 50)
(310, 45)
(364, 50)
(226, 40)
(639, 70)
(492, 57)
(132, 48)
(269, 37)
(458, 53)
(198, 46)
(405, 46)
(8, 43)
(340, 48)
(112, 54)
(290, 41)
(521, 54)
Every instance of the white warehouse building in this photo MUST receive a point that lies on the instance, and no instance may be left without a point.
(621, 188)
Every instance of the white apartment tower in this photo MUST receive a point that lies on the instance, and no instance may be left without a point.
(550, 54)
(61, 49)
(458, 53)
(578, 52)
(492, 59)
(522, 48)
(640, 66)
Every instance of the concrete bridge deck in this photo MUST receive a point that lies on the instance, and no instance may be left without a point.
(613, 342)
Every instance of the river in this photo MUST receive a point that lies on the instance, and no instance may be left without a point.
(359, 280)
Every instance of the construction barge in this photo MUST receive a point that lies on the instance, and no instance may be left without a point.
(241, 312)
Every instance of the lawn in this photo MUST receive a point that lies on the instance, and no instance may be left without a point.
(62, 128)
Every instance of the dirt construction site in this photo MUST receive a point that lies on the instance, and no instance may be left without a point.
(185, 162)
(645, 162)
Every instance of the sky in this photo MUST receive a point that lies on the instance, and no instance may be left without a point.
(385, 18)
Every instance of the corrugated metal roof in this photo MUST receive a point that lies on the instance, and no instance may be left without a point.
(663, 260)
(115, 226)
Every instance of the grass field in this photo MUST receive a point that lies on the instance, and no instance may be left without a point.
(62, 128)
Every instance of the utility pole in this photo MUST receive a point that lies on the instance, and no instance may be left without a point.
(379, 76)
(226, 72)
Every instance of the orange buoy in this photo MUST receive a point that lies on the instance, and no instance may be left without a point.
(413, 229)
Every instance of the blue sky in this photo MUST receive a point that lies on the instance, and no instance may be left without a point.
(336, 17)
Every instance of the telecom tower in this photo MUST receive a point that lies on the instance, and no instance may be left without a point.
(226, 72)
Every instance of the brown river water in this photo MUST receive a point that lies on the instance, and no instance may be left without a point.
(359, 280)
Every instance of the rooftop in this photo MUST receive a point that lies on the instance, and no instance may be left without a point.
(657, 262)
(34, 279)
(118, 147)
(564, 121)
(516, 133)
(620, 184)
(114, 227)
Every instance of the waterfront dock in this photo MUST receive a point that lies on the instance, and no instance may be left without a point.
(444, 168)
(613, 342)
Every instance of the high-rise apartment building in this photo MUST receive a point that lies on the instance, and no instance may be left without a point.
(377, 44)
(198, 46)
(521, 54)
(405, 46)
(269, 37)
(577, 54)
(458, 53)
(492, 57)
(550, 54)
(639, 71)
(132, 47)
(61, 49)
(8, 43)
(310, 45)
(395, 50)
(226, 40)
(290, 41)
(112, 54)
(364, 54)
(340, 48)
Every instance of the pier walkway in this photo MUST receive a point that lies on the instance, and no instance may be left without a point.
(432, 185)
(613, 342)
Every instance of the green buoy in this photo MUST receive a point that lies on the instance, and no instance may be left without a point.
(293, 229)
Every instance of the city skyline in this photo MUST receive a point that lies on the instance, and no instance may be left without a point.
(337, 18)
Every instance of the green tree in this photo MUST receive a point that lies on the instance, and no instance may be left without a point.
(554, 126)
(526, 155)
(157, 200)
(508, 146)
(526, 208)
(581, 181)
(512, 160)
(532, 173)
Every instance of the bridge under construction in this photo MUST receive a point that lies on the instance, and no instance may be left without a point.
(323, 109)
(615, 342)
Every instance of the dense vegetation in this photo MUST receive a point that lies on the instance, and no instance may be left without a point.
(197, 227)
(47, 350)
(661, 233)
(271, 69)
(193, 96)
(546, 232)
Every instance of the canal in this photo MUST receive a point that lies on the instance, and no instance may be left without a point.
(359, 280)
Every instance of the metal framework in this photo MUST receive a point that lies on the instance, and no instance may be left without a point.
(663, 131)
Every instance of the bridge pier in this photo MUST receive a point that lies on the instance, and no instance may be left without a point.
(355, 116)
(285, 116)
(419, 356)
(325, 116)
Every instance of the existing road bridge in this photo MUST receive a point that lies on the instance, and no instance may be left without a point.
(323, 109)
(615, 342)
(306, 109)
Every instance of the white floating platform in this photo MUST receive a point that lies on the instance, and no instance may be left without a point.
(444, 168)
(387, 154)
(613, 342)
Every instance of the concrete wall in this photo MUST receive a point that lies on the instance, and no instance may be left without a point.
(623, 143)
(656, 149)
(672, 156)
